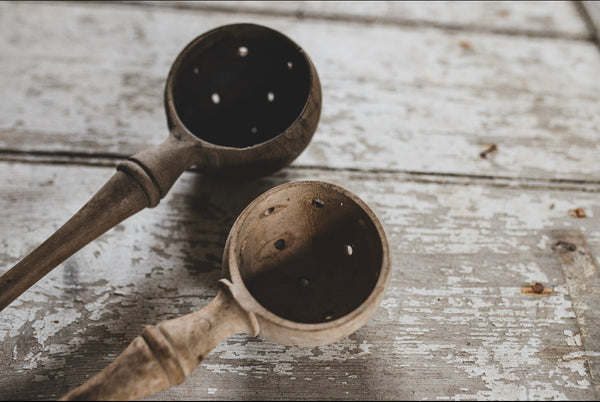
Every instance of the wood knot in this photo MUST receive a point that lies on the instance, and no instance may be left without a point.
(203, 324)
(562, 245)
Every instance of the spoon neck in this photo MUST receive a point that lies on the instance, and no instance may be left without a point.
(193, 336)
(157, 168)
(165, 354)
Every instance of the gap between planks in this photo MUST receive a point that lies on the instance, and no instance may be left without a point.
(356, 19)
(590, 12)
(529, 183)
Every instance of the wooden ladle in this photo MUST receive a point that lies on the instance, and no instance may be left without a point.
(306, 263)
(241, 100)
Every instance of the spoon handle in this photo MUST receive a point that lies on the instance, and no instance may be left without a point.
(165, 354)
(140, 182)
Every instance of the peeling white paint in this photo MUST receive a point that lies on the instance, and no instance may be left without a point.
(452, 307)
(543, 242)
(572, 340)
(50, 324)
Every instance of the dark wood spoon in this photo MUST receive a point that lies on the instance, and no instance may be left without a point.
(241, 100)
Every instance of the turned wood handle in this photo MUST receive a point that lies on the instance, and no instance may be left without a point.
(140, 182)
(165, 354)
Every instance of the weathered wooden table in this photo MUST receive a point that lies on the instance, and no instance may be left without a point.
(412, 94)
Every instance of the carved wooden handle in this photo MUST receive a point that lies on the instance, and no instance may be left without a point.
(140, 182)
(165, 354)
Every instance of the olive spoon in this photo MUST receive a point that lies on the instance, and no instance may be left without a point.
(240, 100)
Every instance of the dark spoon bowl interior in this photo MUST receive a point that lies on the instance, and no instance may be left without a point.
(310, 254)
(241, 85)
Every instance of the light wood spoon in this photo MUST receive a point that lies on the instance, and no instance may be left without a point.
(306, 263)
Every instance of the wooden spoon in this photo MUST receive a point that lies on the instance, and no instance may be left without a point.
(241, 100)
(306, 263)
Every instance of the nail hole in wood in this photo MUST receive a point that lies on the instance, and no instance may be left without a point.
(280, 244)
(318, 203)
(269, 211)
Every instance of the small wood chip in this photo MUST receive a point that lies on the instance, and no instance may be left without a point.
(536, 289)
(489, 148)
(465, 44)
(577, 213)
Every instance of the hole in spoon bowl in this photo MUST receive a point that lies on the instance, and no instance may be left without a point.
(348, 250)
(242, 51)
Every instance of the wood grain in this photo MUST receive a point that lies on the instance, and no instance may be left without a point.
(413, 92)
(454, 323)
(421, 99)
(540, 18)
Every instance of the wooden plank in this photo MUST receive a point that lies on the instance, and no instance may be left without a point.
(540, 18)
(421, 99)
(454, 324)
(583, 284)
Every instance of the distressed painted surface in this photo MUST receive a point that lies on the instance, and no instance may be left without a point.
(549, 18)
(410, 100)
(421, 99)
(454, 323)
(583, 281)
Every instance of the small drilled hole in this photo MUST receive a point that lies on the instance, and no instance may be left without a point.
(243, 51)
(216, 99)
(280, 244)
(290, 65)
(254, 130)
(348, 249)
(269, 211)
(318, 203)
(304, 282)
(270, 96)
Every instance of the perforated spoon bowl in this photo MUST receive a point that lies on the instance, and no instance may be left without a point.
(241, 100)
(306, 263)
